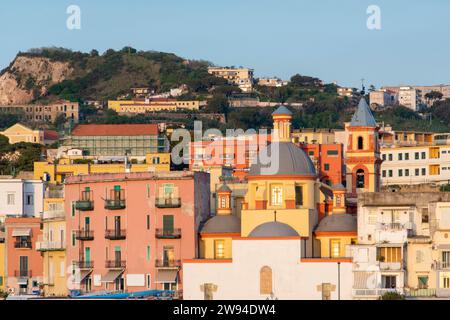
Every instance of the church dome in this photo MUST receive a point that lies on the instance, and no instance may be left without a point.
(291, 159)
(222, 224)
(273, 229)
(338, 223)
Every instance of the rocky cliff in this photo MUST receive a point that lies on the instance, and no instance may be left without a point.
(28, 78)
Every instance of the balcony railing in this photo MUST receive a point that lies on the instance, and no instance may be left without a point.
(50, 245)
(115, 234)
(377, 292)
(115, 204)
(421, 292)
(54, 214)
(115, 264)
(83, 264)
(391, 265)
(391, 226)
(442, 265)
(168, 234)
(23, 245)
(84, 205)
(84, 235)
(168, 263)
(168, 203)
(23, 274)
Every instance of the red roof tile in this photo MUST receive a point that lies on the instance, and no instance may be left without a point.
(115, 130)
(51, 135)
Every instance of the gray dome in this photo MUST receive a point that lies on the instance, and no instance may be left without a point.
(222, 224)
(338, 223)
(282, 110)
(292, 161)
(224, 188)
(273, 229)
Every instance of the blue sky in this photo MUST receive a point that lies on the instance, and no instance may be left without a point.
(324, 38)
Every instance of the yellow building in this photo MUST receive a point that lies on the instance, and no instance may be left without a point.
(282, 200)
(57, 172)
(143, 106)
(338, 230)
(314, 136)
(363, 152)
(242, 77)
(217, 234)
(20, 133)
(52, 244)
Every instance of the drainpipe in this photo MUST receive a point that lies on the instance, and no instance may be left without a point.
(339, 280)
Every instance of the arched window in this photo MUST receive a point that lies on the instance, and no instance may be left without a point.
(223, 202)
(360, 183)
(360, 143)
(265, 280)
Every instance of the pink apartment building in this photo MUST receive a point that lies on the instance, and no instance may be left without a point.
(130, 231)
(24, 265)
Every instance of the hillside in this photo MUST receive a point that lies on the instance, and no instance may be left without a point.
(55, 72)
(47, 74)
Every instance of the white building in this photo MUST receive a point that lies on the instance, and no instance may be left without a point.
(270, 268)
(409, 97)
(415, 165)
(19, 197)
(385, 223)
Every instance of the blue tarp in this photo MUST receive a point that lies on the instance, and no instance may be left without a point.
(130, 295)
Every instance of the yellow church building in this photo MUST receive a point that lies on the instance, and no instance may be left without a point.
(279, 241)
(21, 133)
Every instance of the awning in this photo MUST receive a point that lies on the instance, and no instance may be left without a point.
(21, 232)
(444, 246)
(390, 245)
(112, 275)
(83, 275)
(166, 276)
(363, 280)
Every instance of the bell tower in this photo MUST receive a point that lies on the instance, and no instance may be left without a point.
(282, 124)
(224, 201)
(363, 159)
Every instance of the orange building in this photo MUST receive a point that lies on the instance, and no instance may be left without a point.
(363, 159)
(24, 265)
(329, 161)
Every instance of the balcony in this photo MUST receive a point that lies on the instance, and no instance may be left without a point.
(115, 204)
(164, 203)
(168, 234)
(421, 292)
(394, 266)
(168, 264)
(374, 293)
(23, 274)
(44, 245)
(23, 245)
(54, 215)
(115, 234)
(83, 264)
(442, 265)
(84, 205)
(115, 264)
(84, 235)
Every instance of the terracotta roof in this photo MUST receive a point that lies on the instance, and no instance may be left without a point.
(115, 130)
(51, 135)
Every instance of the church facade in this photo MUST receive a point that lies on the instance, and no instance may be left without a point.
(280, 247)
